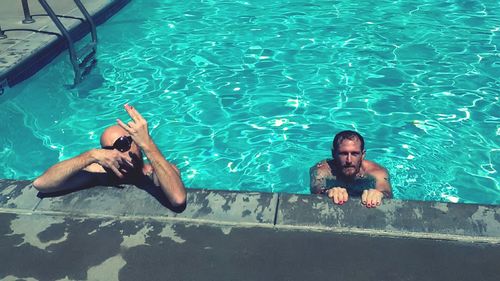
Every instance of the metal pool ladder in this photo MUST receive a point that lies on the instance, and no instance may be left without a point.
(84, 59)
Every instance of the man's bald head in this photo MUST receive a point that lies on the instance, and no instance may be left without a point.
(111, 134)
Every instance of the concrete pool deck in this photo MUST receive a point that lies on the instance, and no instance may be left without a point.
(29, 47)
(129, 233)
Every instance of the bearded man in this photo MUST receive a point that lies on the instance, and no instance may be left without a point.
(349, 174)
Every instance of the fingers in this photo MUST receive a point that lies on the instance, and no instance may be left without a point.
(131, 127)
(343, 196)
(116, 171)
(134, 114)
(371, 198)
(338, 195)
(127, 162)
(117, 162)
(123, 125)
(113, 165)
(138, 127)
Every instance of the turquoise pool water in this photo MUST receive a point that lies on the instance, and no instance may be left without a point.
(247, 95)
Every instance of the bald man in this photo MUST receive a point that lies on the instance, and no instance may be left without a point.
(118, 161)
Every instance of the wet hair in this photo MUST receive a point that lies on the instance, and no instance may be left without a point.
(346, 135)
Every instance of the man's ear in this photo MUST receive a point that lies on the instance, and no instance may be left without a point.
(363, 155)
(333, 153)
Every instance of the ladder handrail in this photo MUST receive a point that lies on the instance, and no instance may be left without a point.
(65, 33)
(73, 55)
(2, 33)
(89, 19)
(27, 15)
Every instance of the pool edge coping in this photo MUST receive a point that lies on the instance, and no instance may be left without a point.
(470, 223)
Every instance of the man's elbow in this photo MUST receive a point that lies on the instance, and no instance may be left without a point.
(178, 200)
(40, 185)
(44, 186)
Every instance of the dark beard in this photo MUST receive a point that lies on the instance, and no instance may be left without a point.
(354, 170)
(338, 170)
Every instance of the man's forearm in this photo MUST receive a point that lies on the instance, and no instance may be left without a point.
(56, 176)
(318, 189)
(383, 185)
(168, 176)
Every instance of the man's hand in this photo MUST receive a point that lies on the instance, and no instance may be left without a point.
(338, 195)
(163, 173)
(82, 170)
(371, 198)
(137, 128)
(113, 159)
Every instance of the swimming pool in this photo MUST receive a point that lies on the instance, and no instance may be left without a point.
(247, 95)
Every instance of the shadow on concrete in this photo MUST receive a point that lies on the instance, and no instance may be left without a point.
(43, 195)
(33, 30)
(158, 194)
(59, 16)
(151, 189)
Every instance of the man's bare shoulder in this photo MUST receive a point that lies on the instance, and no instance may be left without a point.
(322, 168)
(381, 176)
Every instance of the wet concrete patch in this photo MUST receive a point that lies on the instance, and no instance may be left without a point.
(235, 207)
(25, 255)
(95, 200)
(19, 195)
(202, 205)
(146, 249)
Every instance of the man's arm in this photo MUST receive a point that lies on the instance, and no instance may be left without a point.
(167, 174)
(372, 198)
(317, 177)
(319, 174)
(382, 182)
(78, 171)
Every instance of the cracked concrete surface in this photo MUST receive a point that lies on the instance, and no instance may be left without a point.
(234, 236)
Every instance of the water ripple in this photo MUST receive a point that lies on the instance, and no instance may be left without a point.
(248, 95)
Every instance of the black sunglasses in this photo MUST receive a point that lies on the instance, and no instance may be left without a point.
(121, 144)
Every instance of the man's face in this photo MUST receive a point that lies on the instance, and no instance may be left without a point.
(349, 157)
(118, 139)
